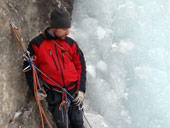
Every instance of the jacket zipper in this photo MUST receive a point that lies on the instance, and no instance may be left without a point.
(53, 59)
(63, 58)
(60, 66)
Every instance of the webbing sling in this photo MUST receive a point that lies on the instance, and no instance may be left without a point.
(65, 104)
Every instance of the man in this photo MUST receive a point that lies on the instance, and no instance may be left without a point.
(60, 58)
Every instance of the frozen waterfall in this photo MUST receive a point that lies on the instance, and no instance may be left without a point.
(127, 51)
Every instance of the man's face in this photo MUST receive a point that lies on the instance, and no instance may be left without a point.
(61, 33)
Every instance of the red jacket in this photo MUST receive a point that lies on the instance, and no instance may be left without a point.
(56, 63)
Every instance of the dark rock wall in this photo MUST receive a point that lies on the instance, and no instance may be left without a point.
(18, 108)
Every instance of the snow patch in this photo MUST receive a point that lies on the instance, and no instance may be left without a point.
(17, 114)
(91, 71)
(124, 46)
(101, 66)
(100, 33)
(95, 121)
(142, 71)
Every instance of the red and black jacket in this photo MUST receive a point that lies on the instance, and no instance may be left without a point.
(56, 64)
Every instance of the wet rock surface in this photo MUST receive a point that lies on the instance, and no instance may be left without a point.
(18, 108)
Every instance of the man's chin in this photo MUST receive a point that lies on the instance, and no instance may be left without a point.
(62, 38)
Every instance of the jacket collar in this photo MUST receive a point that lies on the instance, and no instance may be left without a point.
(48, 35)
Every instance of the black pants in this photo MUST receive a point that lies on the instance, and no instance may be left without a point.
(75, 115)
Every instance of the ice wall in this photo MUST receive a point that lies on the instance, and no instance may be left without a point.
(126, 46)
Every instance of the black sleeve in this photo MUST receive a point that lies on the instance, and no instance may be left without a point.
(79, 62)
(80, 65)
(83, 72)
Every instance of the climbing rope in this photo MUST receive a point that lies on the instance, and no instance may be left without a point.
(42, 114)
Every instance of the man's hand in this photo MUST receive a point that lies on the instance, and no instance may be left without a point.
(42, 95)
(78, 100)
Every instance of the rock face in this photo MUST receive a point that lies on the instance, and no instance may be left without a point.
(18, 108)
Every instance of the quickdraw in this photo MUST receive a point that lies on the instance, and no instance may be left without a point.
(64, 104)
(35, 76)
(65, 101)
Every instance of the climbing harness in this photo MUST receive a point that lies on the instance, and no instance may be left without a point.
(65, 101)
